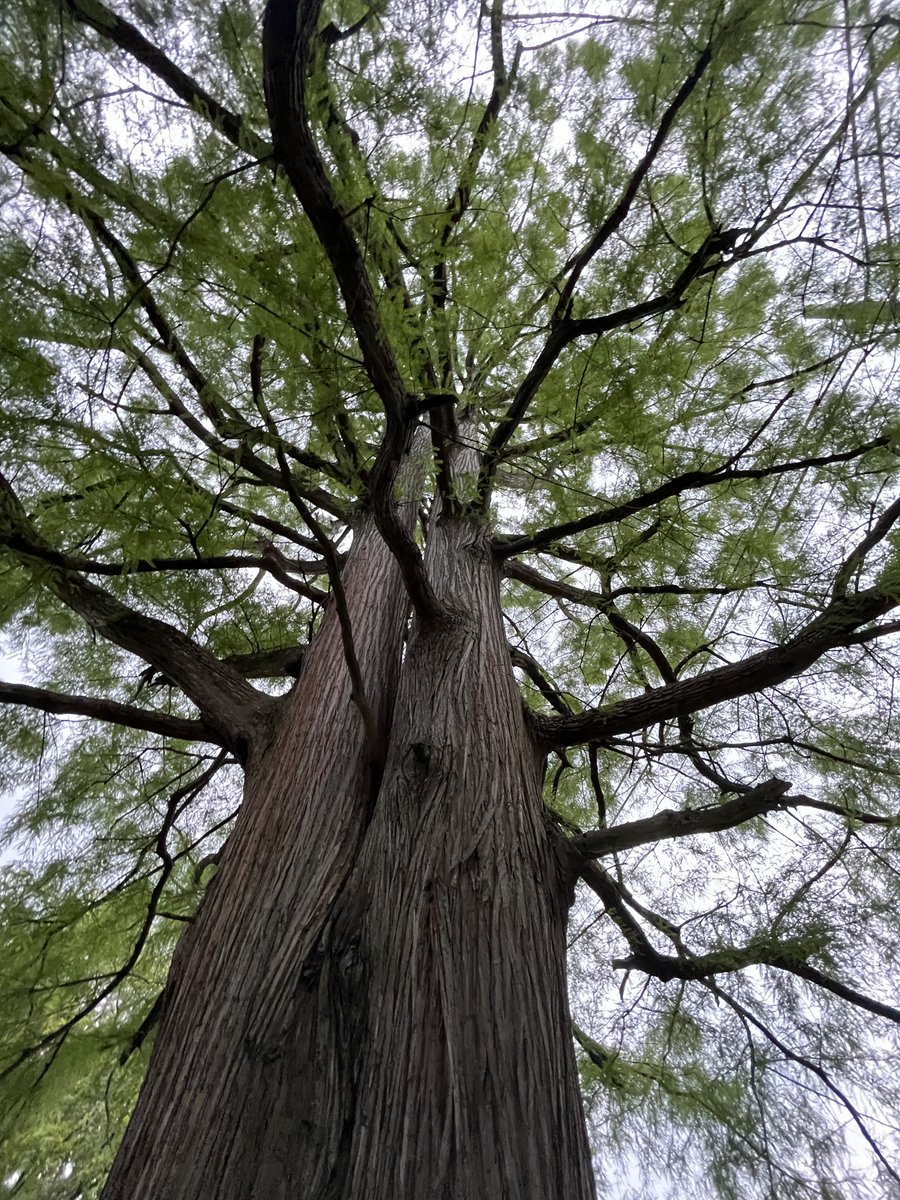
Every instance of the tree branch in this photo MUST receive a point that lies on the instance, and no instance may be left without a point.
(601, 883)
(825, 632)
(458, 203)
(271, 560)
(289, 45)
(555, 587)
(676, 823)
(871, 635)
(218, 501)
(281, 662)
(227, 422)
(534, 672)
(713, 818)
(507, 546)
(609, 226)
(803, 1061)
(269, 664)
(564, 329)
(129, 38)
(227, 702)
(854, 559)
(50, 1044)
(730, 959)
(567, 331)
(357, 683)
(129, 715)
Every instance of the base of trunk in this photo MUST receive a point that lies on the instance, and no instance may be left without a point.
(381, 1012)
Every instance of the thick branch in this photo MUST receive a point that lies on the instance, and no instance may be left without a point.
(128, 38)
(564, 329)
(283, 661)
(555, 587)
(568, 330)
(602, 884)
(129, 715)
(271, 560)
(381, 238)
(533, 670)
(712, 818)
(764, 670)
(736, 958)
(871, 635)
(623, 207)
(675, 823)
(289, 30)
(855, 558)
(269, 664)
(289, 41)
(212, 562)
(228, 703)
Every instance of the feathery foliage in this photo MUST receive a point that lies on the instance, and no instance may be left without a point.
(643, 262)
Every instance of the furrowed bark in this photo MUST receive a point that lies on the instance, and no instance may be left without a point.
(467, 1083)
(372, 1001)
(245, 1072)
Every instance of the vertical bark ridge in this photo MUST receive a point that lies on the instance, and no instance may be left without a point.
(372, 1002)
(467, 1085)
(238, 1052)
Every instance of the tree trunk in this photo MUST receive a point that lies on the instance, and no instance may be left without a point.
(372, 1000)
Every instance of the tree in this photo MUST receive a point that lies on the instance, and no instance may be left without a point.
(472, 433)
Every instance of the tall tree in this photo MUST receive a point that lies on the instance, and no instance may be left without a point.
(449, 530)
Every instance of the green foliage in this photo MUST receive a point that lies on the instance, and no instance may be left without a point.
(774, 365)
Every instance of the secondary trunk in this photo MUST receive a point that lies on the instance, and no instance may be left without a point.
(372, 1001)
(467, 1086)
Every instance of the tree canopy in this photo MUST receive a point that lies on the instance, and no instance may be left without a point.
(640, 263)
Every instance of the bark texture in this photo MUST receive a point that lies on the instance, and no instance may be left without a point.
(372, 1002)
(226, 1046)
(467, 1085)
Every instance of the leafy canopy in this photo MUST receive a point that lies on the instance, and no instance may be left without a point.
(643, 261)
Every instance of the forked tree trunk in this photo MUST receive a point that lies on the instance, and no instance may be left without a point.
(372, 1000)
